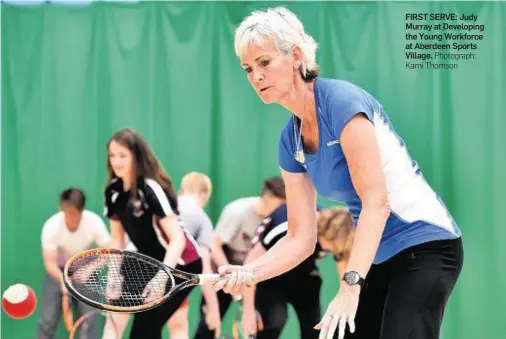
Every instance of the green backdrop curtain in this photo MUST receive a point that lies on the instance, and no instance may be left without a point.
(73, 75)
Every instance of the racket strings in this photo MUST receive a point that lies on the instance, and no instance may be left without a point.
(118, 280)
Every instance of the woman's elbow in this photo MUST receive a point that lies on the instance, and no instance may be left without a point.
(180, 241)
(384, 207)
(379, 204)
(176, 238)
(308, 244)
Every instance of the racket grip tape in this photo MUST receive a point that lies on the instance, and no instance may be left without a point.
(211, 278)
(208, 278)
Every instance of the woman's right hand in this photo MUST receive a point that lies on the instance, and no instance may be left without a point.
(235, 279)
(249, 322)
(213, 320)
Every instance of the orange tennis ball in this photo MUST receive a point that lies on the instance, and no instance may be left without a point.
(19, 301)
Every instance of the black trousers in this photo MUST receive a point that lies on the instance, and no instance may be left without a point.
(405, 297)
(272, 299)
(149, 324)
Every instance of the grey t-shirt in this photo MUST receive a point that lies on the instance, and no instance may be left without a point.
(195, 220)
(237, 226)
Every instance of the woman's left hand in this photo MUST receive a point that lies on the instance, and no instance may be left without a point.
(235, 279)
(341, 310)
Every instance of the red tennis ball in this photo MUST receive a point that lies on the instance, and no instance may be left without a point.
(19, 301)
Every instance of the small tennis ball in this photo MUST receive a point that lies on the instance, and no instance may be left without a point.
(19, 301)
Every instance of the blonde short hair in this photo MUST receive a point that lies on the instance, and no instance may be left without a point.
(196, 182)
(285, 30)
(336, 226)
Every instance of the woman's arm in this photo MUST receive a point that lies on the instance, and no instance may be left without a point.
(361, 150)
(177, 241)
(249, 293)
(114, 277)
(300, 240)
(208, 293)
(160, 206)
(249, 319)
(117, 234)
(342, 264)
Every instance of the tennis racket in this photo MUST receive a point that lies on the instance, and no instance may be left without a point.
(80, 321)
(125, 282)
(68, 316)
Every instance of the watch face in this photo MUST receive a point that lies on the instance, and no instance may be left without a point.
(351, 278)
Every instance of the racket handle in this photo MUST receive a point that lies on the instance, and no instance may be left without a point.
(211, 278)
(208, 278)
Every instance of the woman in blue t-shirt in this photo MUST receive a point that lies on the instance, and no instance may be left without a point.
(407, 253)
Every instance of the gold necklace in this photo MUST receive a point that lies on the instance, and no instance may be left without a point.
(299, 151)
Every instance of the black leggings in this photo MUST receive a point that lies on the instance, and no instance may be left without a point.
(149, 324)
(272, 299)
(405, 297)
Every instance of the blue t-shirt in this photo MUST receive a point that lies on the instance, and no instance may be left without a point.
(417, 214)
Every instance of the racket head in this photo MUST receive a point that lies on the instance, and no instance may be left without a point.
(88, 274)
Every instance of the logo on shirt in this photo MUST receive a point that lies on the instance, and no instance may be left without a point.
(137, 208)
(333, 142)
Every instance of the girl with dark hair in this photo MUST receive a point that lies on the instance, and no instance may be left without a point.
(140, 201)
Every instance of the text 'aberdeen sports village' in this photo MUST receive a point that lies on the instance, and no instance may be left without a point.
(441, 36)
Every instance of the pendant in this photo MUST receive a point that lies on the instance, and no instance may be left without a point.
(299, 156)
